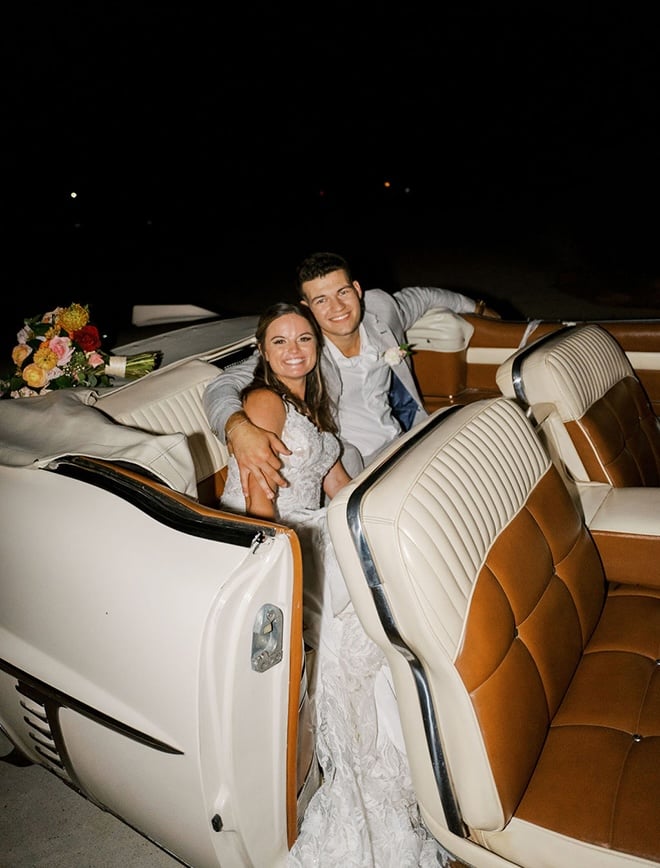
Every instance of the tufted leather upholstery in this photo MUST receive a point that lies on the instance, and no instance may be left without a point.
(581, 384)
(529, 690)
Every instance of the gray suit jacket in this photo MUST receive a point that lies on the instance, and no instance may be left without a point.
(386, 321)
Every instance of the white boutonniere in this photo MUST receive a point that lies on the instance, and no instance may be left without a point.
(395, 355)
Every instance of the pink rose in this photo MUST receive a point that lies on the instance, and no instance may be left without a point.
(53, 374)
(95, 359)
(63, 349)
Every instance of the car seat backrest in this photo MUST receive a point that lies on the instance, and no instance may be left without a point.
(581, 385)
(479, 551)
(168, 401)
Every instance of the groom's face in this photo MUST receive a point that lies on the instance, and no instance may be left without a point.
(335, 302)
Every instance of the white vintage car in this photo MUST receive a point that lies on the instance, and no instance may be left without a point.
(505, 554)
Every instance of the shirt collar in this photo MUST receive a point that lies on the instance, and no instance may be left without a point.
(367, 349)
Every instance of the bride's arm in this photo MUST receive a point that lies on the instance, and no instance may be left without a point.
(335, 479)
(266, 410)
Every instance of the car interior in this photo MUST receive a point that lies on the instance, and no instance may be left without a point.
(510, 570)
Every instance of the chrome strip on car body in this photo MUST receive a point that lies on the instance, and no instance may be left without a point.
(187, 517)
(47, 695)
(445, 788)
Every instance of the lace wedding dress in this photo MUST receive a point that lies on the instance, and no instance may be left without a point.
(365, 814)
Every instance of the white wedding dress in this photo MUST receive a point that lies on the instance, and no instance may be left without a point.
(365, 814)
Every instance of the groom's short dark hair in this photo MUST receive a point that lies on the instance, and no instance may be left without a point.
(318, 265)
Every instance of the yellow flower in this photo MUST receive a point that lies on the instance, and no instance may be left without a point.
(45, 357)
(73, 318)
(34, 376)
(20, 353)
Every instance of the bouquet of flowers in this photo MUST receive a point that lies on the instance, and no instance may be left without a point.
(62, 350)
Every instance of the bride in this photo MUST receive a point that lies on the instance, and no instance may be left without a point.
(365, 813)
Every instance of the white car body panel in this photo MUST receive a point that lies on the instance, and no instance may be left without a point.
(141, 618)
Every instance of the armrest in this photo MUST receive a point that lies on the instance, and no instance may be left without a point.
(626, 530)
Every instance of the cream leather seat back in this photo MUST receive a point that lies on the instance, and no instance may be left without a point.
(581, 387)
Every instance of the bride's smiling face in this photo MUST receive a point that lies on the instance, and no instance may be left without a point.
(290, 348)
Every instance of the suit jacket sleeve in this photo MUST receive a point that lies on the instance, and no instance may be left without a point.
(388, 315)
(412, 302)
(222, 396)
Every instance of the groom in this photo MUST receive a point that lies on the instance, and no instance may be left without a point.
(375, 401)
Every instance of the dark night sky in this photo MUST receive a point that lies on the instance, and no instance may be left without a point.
(185, 121)
(156, 97)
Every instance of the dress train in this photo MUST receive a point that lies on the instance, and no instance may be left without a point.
(365, 814)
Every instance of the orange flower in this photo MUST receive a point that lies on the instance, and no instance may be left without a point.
(20, 353)
(34, 376)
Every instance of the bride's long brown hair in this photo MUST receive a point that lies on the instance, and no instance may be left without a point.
(317, 404)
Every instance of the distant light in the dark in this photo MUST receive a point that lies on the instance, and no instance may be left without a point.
(387, 184)
(73, 194)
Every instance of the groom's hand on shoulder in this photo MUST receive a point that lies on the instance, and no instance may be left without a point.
(257, 454)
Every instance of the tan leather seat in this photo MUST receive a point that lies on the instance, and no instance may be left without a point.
(529, 689)
(581, 387)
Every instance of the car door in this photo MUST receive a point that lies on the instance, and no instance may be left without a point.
(151, 658)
